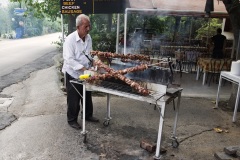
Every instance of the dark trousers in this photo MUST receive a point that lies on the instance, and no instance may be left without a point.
(73, 100)
(217, 54)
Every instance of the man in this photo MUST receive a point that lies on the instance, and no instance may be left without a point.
(77, 59)
(219, 42)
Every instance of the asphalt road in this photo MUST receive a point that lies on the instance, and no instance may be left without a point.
(20, 57)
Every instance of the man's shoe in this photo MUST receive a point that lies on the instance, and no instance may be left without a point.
(92, 119)
(75, 125)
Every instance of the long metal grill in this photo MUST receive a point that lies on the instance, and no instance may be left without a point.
(154, 74)
(118, 87)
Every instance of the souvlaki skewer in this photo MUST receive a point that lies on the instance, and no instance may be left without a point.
(119, 75)
(122, 56)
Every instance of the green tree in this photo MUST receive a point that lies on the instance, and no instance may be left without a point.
(6, 19)
(35, 19)
(103, 35)
(233, 9)
(208, 28)
(41, 8)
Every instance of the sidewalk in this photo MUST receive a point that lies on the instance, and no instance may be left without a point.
(41, 130)
(194, 88)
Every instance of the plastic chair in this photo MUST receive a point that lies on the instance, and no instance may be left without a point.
(180, 61)
(191, 58)
(203, 55)
(167, 52)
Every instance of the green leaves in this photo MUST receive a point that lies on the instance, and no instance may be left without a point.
(41, 9)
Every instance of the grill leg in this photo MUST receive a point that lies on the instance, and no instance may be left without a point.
(84, 115)
(176, 115)
(108, 106)
(160, 129)
(84, 132)
(108, 118)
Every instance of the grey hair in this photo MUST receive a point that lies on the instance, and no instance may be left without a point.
(79, 19)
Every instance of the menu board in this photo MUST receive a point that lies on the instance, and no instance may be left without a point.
(92, 6)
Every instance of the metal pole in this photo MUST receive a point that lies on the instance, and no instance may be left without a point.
(237, 53)
(160, 129)
(176, 115)
(219, 87)
(84, 108)
(233, 48)
(108, 107)
(117, 39)
(125, 30)
(65, 86)
(62, 28)
(208, 30)
(190, 32)
(236, 105)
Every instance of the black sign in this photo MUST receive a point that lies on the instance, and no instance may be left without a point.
(92, 6)
(109, 6)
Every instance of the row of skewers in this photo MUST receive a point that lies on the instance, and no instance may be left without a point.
(119, 74)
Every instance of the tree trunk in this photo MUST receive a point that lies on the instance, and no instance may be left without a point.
(233, 9)
(176, 29)
(71, 23)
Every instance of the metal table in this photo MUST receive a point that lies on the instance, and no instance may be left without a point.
(232, 78)
(158, 98)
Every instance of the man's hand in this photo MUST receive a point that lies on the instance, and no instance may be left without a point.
(83, 69)
(94, 63)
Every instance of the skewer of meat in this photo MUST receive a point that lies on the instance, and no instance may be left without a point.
(99, 77)
(124, 71)
(118, 75)
(122, 56)
(137, 61)
(133, 84)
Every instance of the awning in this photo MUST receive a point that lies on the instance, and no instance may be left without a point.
(193, 8)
